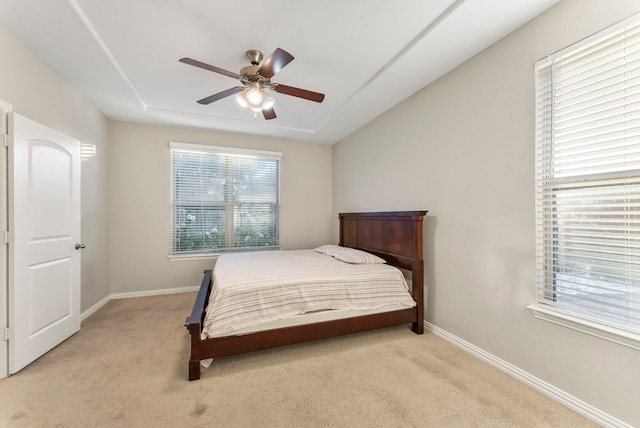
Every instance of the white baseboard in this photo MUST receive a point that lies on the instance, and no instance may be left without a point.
(547, 389)
(127, 295)
(94, 308)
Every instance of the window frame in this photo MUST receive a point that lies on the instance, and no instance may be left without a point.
(227, 205)
(545, 307)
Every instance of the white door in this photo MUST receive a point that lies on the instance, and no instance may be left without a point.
(44, 264)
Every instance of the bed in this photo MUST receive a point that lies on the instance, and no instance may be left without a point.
(394, 236)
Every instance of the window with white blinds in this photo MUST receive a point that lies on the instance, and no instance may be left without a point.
(588, 179)
(222, 199)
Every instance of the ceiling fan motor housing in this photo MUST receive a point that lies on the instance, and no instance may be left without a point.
(254, 56)
(249, 74)
(249, 70)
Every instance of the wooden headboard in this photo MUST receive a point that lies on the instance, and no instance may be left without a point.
(395, 236)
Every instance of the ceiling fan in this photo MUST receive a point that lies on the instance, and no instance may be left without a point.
(255, 78)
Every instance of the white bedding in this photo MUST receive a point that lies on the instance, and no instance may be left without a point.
(253, 288)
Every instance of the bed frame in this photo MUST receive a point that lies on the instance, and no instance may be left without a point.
(395, 236)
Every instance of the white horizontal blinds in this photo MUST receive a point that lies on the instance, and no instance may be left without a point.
(223, 199)
(595, 107)
(255, 202)
(588, 178)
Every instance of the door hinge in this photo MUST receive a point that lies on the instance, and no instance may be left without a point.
(7, 334)
(8, 237)
(7, 140)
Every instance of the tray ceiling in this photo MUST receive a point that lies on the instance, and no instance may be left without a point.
(365, 56)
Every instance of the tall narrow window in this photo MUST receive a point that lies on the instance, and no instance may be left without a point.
(588, 180)
(223, 199)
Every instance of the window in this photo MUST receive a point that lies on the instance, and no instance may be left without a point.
(222, 199)
(588, 185)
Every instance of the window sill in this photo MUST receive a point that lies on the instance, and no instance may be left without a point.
(193, 258)
(586, 325)
(214, 256)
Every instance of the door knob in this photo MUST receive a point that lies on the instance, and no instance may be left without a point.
(80, 246)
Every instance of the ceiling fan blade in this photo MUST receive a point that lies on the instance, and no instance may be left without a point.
(268, 113)
(276, 62)
(297, 92)
(221, 95)
(209, 67)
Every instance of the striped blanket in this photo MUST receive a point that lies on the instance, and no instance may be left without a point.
(257, 287)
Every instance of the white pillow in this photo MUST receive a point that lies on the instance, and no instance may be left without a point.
(324, 249)
(349, 255)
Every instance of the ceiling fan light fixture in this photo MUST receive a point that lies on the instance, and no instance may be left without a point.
(254, 95)
(255, 98)
(240, 98)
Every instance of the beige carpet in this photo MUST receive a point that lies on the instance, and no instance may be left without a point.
(127, 367)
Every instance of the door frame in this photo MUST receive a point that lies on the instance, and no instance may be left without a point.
(5, 141)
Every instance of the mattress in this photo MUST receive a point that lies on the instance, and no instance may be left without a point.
(256, 290)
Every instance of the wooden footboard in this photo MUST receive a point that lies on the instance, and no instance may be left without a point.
(194, 325)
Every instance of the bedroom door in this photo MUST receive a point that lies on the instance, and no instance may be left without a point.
(44, 255)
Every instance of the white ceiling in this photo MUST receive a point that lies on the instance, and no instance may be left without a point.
(365, 55)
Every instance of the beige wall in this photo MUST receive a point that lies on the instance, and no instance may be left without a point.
(463, 148)
(140, 199)
(36, 91)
